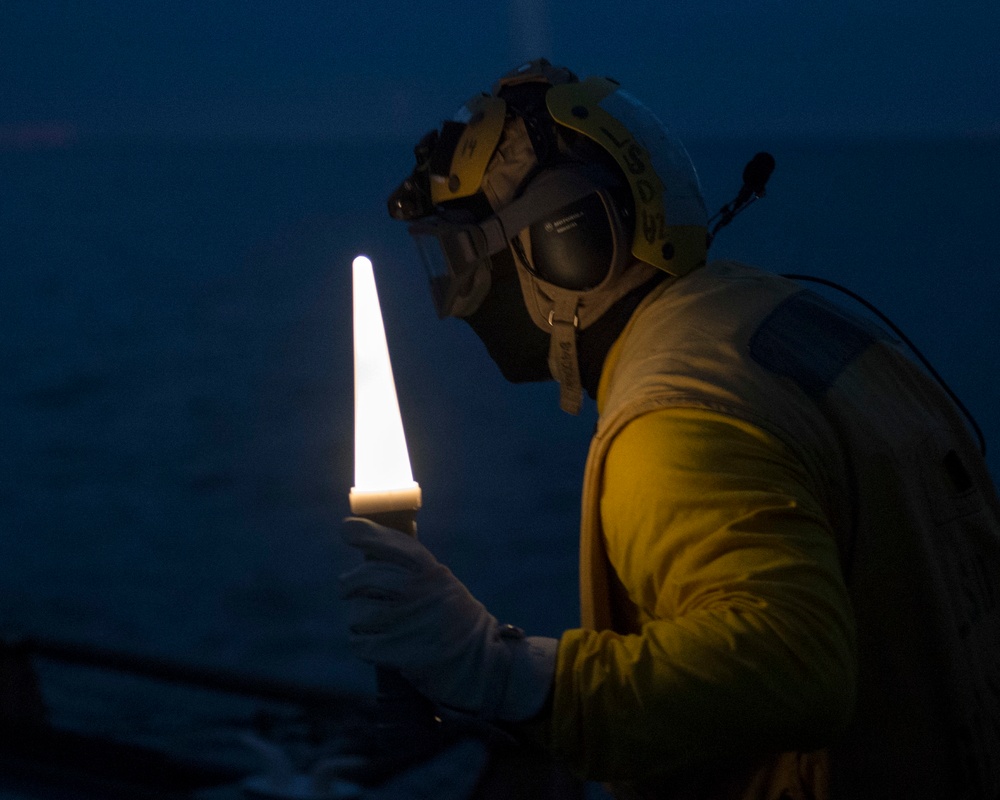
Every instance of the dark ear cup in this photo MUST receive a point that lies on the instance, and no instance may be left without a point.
(574, 247)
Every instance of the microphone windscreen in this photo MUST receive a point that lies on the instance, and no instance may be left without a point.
(757, 171)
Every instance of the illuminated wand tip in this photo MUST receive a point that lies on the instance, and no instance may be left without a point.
(383, 480)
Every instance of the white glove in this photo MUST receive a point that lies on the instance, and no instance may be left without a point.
(409, 612)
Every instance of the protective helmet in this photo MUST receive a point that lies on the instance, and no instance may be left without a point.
(580, 181)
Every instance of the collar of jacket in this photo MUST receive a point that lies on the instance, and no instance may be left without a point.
(611, 360)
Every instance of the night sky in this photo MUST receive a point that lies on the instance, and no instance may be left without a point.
(320, 70)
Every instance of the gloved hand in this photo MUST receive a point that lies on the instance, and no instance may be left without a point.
(409, 612)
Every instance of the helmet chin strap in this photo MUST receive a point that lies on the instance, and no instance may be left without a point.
(564, 363)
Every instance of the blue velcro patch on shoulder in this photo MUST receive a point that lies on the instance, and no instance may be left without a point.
(811, 341)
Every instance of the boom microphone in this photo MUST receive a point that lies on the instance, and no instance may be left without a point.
(755, 176)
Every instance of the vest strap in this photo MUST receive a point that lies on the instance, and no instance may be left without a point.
(563, 361)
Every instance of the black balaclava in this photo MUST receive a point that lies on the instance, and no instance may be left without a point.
(521, 349)
(518, 347)
(593, 343)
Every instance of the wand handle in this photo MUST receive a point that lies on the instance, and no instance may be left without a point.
(397, 698)
(402, 521)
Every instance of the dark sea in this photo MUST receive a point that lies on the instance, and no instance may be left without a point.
(176, 379)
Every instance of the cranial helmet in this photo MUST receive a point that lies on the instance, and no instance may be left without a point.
(576, 179)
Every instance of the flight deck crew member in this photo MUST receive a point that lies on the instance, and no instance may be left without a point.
(789, 544)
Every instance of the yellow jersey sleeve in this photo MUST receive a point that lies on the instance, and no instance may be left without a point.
(742, 635)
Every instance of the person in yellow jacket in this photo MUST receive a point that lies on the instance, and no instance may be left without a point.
(790, 542)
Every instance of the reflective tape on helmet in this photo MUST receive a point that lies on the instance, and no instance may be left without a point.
(473, 150)
(681, 191)
(670, 222)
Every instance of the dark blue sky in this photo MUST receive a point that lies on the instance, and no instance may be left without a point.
(361, 69)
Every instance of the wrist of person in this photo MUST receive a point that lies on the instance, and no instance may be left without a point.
(530, 677)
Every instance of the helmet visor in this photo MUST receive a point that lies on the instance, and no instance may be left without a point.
(457, 255)
(457, 262)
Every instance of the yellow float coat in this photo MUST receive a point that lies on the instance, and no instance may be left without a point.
(767, 602)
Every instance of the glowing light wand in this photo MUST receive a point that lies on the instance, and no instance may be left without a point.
(384, 489)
